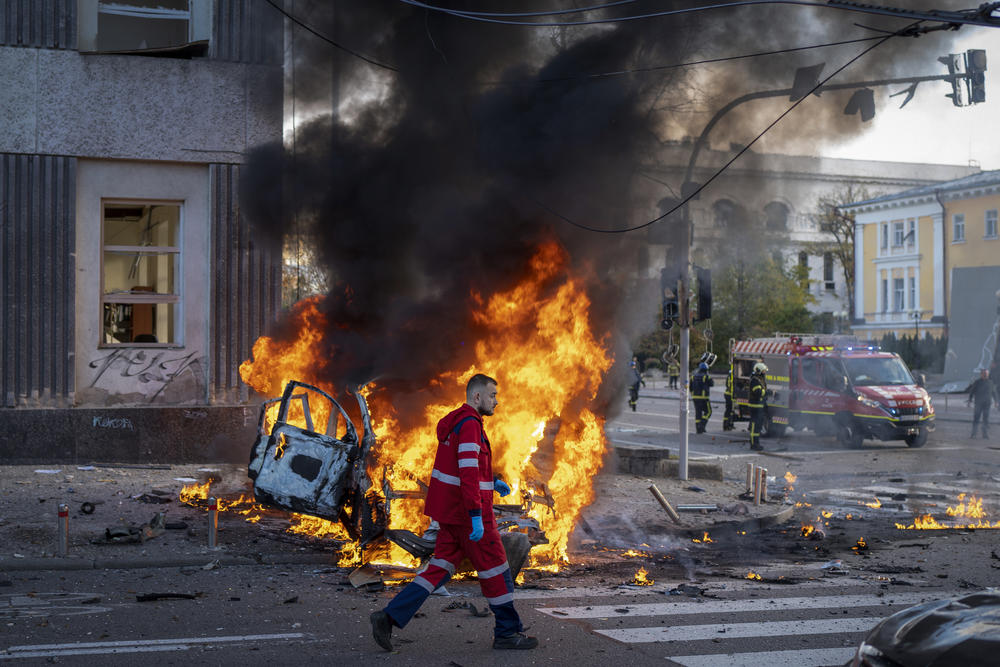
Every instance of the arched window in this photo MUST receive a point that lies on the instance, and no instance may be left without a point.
(727, 214)
(776, 216)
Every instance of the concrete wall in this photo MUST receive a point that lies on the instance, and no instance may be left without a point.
(975, 320)
(134, 107)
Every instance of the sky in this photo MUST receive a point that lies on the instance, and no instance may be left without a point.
(930, 128)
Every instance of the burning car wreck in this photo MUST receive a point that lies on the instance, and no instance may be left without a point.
(310, 458)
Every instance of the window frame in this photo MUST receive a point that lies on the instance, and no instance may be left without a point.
(987, 219)
(174, 299)
(884, 246)
(898, 233)
(829, 272)
(958, 225)
(898, 295)
(199, 26)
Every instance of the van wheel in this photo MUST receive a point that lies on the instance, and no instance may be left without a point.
(849, 436)
(918, 439)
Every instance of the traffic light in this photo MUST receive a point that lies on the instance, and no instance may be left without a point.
(671, 309)
(704, 293)
(954, 63)
(975, 69)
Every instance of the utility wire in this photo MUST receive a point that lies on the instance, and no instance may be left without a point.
(343, 48)
(554, 12)
(980, 16)
(723, 168)
(655, 68)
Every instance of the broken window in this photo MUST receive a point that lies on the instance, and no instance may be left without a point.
(141, 273)
(156, 27)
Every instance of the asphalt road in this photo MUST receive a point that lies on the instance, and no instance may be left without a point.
(776, 597)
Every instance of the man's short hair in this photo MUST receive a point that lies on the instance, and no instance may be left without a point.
(478, 382)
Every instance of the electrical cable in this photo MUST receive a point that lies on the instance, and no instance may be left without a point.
(655, 68)
(475, 16)
(343, 48)
(723, 168)
(554, 12)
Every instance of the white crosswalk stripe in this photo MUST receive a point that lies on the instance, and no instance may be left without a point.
(697, 632)
(945, 492)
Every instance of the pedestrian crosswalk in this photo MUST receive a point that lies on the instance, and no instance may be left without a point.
(897, 493)
(700, 632)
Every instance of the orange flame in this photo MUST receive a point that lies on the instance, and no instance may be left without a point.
(876, 504)
(807, 530)
(641, 579)
(754, 576)
(549, 365)
(790, 478)
(704, 539)
(971, 509)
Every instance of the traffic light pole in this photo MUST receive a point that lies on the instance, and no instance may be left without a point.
(687, 232)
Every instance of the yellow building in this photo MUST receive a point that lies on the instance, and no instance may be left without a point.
(907, 247)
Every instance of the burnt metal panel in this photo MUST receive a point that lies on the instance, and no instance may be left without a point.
(48, 24)
(246, 286)
(246, 31)
(37, 286)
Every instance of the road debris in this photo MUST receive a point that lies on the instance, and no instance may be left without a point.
(152, 597)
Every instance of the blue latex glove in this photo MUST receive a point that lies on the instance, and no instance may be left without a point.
(501, 487)
(477, 529)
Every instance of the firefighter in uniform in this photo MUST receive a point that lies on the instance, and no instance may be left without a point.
(757, 403)
(673, 371)
(635, 379)
(460, 499)
(700, 383)
(727, 418)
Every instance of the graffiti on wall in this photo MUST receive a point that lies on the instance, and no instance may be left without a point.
(156, 369)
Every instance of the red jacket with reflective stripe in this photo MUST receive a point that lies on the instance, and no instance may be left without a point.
(462, 478)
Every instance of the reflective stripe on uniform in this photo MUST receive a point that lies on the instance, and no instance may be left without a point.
(423, 583)
(468, 463)
(443, 564)
(494, 571)
(468, 447)
(447, 479)
(486, 486)
(501, 599)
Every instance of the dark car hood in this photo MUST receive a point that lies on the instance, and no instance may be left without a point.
(955, 632)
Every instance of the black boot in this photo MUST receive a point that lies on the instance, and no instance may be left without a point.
(382, 629)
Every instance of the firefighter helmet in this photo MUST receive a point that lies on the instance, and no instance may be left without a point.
(759, 368)
(703, 366)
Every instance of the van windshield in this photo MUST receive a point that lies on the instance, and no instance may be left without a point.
(877, 371)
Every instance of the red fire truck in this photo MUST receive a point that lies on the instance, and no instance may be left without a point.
(833, 386)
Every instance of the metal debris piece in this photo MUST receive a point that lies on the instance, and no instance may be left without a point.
(152, 597)
(465, 604)
(671, 512)
(87, 508)
(698, 508)
(146, 531)
(151, 499)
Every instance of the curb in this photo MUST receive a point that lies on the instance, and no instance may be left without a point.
(67, 564)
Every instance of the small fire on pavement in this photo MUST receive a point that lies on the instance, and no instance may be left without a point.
(641, 578)
(754, 576)
(861, 547)
(705, 539)
(971, 509)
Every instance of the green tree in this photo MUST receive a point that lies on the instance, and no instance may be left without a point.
(757, 298)
(838, 227)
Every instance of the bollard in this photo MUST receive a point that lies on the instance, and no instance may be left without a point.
(62, 539)
(213, 523)
(756, 486)
(751, 471)
(763, 484)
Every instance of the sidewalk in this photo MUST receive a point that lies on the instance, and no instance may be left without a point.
(125, 495)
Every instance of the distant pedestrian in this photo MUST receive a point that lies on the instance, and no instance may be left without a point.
(701, 384)
(673, 371)
(635, 379)
(983, 393)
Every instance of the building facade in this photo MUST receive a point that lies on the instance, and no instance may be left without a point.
(129, 278)
(909, 246)
(772, 199)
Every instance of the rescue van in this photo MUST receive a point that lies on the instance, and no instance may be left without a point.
(833, 386)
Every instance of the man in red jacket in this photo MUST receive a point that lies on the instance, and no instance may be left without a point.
(460, 498)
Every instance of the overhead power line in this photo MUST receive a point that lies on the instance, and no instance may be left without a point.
(982, 16)
(723, 168)
(326, 39)
(692, 63)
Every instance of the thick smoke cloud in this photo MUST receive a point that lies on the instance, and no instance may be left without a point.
(439, 180)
